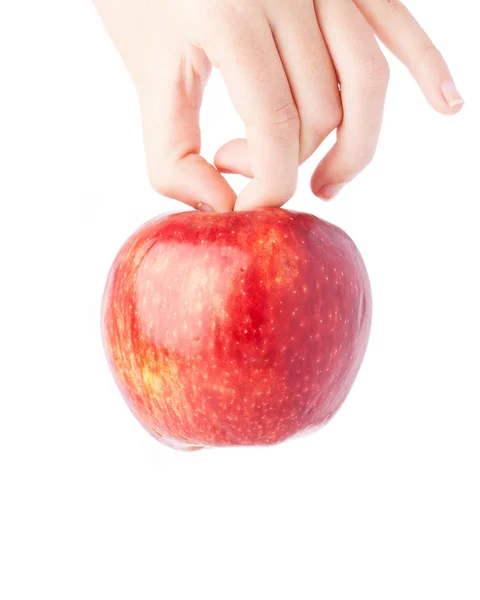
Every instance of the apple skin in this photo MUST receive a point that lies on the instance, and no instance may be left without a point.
(244, 328)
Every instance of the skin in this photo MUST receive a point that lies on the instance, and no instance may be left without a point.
(239, 329)
(283, 62)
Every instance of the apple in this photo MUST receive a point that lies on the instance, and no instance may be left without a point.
(244, 328)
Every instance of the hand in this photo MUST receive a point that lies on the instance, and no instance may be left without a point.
(283, 62)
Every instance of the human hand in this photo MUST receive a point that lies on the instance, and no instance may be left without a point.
(282, 61)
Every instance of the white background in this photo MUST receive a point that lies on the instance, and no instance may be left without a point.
(381, 504)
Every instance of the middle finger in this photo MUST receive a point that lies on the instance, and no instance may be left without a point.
(312, 79)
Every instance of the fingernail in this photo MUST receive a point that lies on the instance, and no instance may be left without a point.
(329, 191)
(451, 94)
(204, 207)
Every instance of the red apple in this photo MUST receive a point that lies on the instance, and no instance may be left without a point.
(243, 328)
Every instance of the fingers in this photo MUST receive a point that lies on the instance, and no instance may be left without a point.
(363, 73)
(233, 157)
(312, 80)
(170, 103)
(401, 33)
(310, 72)
(247, 57)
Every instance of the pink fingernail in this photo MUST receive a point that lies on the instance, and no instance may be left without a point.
(329, 191)
(451, 94)
(204, 207)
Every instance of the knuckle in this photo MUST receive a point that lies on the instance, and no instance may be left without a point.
(375, 73)
(430, 53)
(211, 11)
(225, 24)
(284, 119)
(394, 5)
